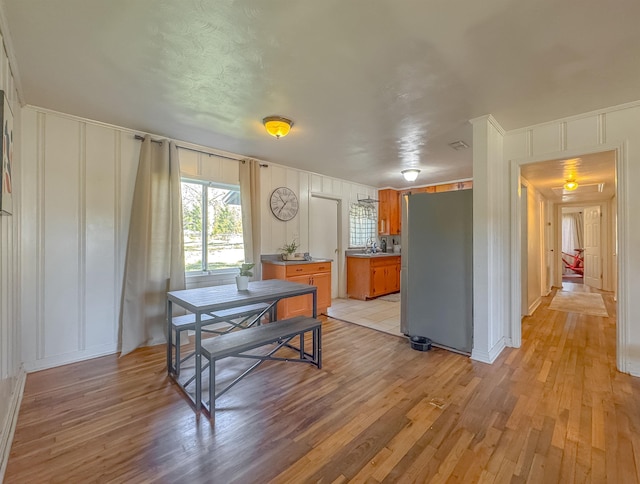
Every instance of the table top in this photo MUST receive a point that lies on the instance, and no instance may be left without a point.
(223, 297)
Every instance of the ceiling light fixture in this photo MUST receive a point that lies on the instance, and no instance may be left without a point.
(277, 126)
(570, 185)
(410, 174)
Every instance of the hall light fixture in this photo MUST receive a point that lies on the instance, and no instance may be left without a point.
(570, 185)
(411, 174)
(277, 126)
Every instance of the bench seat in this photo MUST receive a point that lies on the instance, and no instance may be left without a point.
(219, 322)
(238, 343)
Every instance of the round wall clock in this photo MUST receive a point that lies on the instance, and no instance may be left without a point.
(284, 203)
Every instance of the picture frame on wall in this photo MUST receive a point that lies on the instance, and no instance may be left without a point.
(6, 190)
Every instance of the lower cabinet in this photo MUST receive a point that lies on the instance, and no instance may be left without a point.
(316, 274)
(369, 277)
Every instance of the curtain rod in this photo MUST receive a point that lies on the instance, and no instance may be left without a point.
(141, 138)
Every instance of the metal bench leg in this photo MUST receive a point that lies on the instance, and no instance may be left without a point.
(212, 388)
(177, 367)
(318, 346)
(302, 346)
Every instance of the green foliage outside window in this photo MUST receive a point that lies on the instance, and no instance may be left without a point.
(220, 207)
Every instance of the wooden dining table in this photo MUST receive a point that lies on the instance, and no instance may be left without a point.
(205, 301)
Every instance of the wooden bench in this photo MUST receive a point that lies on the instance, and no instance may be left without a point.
(219, 322)
(238, 343)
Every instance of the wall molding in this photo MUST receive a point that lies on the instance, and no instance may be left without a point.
(534, 305)
(490, 356)
(568, 119)
(8, 429)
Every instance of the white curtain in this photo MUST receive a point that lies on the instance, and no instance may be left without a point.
(250, 202)
(155, 258)
(572, 233)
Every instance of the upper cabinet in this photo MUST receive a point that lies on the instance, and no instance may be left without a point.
(389, 212)
(390, 209)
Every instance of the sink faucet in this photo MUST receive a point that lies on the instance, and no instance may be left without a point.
(369, 246)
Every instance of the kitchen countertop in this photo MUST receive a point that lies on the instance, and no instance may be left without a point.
(280, 262)
(374, 256)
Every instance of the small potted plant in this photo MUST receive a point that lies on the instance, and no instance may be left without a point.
(242, 279)
(289, 250)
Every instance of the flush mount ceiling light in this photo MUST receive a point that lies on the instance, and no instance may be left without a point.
(410, 174)
(277, 126)
(570, 185)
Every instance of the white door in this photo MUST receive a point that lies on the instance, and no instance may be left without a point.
(592, 255)
(323, 235)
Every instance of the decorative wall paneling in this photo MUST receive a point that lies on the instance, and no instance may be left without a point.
(78, 189)
(12, 375)
(491, 241)
(79, 178)
(615, 128)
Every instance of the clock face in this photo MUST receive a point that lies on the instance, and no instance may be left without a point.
(284, 203)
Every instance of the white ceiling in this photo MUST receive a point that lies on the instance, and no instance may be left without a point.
(595, 174)
(373, 86)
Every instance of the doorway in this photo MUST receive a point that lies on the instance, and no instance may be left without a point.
(572, 249)
(324, 235)
(596, 176)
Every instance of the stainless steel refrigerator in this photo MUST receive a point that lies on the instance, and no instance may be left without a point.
(436, 278)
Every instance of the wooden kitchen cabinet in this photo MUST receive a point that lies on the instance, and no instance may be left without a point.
(314, 273)
(388, 212)
(447, 187)
(369, 277)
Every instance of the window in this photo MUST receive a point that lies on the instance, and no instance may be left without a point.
(212, 220)
(363, 221)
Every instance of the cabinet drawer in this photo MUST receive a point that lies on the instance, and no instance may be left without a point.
(384, 261)
(303, 269)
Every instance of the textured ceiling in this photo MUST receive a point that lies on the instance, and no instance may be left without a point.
(373, 87)
(595, 174)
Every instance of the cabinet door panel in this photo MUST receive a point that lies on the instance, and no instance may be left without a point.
(378, 281)
(299, 305)
(323, 282)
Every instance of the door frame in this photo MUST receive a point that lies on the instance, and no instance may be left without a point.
(339, 257)
(605, 248)
(622, 164)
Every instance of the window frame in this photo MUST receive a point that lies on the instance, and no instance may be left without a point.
(205, 184)
(374, 233)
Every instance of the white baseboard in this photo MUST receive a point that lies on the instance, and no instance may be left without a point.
(65, 359)
(9, 427)
(633, 368)
(489, 356)
(534, 306)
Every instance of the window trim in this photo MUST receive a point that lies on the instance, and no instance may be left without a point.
(207, 273)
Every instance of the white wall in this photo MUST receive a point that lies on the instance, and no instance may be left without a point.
(275, 232)
(11, 373)
(534, 244)
(78, 180)
(616, 128)
(491, 242)
(78, 187)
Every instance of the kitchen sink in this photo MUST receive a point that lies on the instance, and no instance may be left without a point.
(377, 254)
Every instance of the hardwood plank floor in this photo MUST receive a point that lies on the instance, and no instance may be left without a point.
(555, 410)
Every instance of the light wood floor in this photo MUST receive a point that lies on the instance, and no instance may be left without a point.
(374, 313)
(555, 410)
